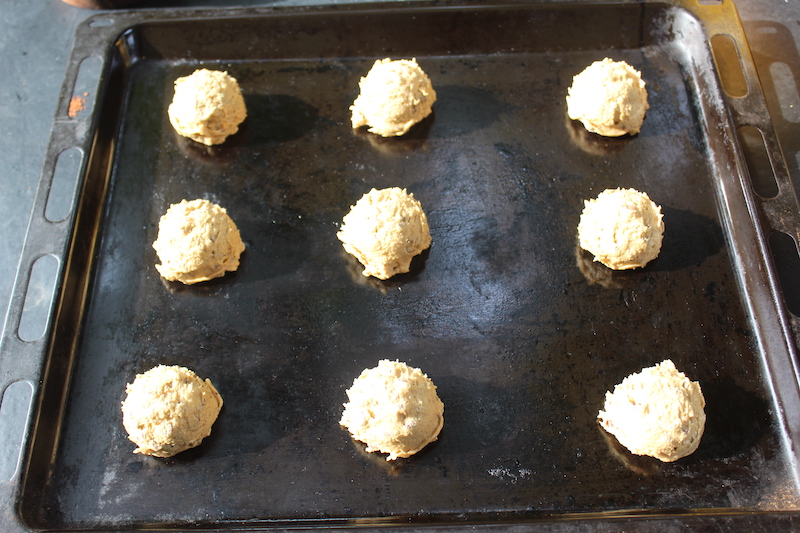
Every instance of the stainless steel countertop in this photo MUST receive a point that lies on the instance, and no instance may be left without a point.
(35, 40)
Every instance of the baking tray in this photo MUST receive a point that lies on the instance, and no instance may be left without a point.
(521, 333)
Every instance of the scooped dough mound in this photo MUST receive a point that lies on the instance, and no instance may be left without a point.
(623, 228)
(207, 106)
(197, 241)
(384, 231)
(394, 96)
(169, 409)
(609, 98)
(393, 409)
(656, 412)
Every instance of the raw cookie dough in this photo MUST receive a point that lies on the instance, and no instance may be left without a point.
(384, 231)
(609, 98)
(656, 412)
(393, 409)
(197, 241)
(622, 228)
(169, 409)
(207, 106)
(394, 96)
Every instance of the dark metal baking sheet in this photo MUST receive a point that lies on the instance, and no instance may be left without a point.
(519, 331)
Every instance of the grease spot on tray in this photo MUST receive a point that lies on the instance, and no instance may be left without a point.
(510, 474)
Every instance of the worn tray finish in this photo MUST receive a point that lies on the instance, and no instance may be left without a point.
(521, 333)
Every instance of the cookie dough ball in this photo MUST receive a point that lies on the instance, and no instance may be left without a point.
(656, 412)
(394, 96)
(393, 408)
(622, 228)
(384, 231)
(197, 241)
(169, 409)
(207, 106)
(609, 98)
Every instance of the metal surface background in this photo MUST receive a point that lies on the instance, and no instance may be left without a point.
(520, 334)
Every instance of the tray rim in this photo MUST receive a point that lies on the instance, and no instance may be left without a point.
(29, 360)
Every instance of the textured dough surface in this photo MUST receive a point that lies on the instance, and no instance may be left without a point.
(609, 98)
(656, 412)
(394, 95)
(393, 408)
(169, 409)
(197, 241)
(384, 230)
(207, 107)
(622, 228)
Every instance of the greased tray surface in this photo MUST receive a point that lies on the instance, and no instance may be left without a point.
(519, 331)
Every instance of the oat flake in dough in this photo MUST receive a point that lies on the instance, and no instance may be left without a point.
(622, 228)
(384, 230)
(197, 241)
(207, 107)
(609, 98)
(168, 409)
(394, 409)
(394, 95)
(656, 412)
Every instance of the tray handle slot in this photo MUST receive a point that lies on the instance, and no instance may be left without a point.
(63, 185)
(14, 412)
(100, 22)
(81, 104)
(785, 255)
(38, 298)
(729, 65)
(759, 166)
